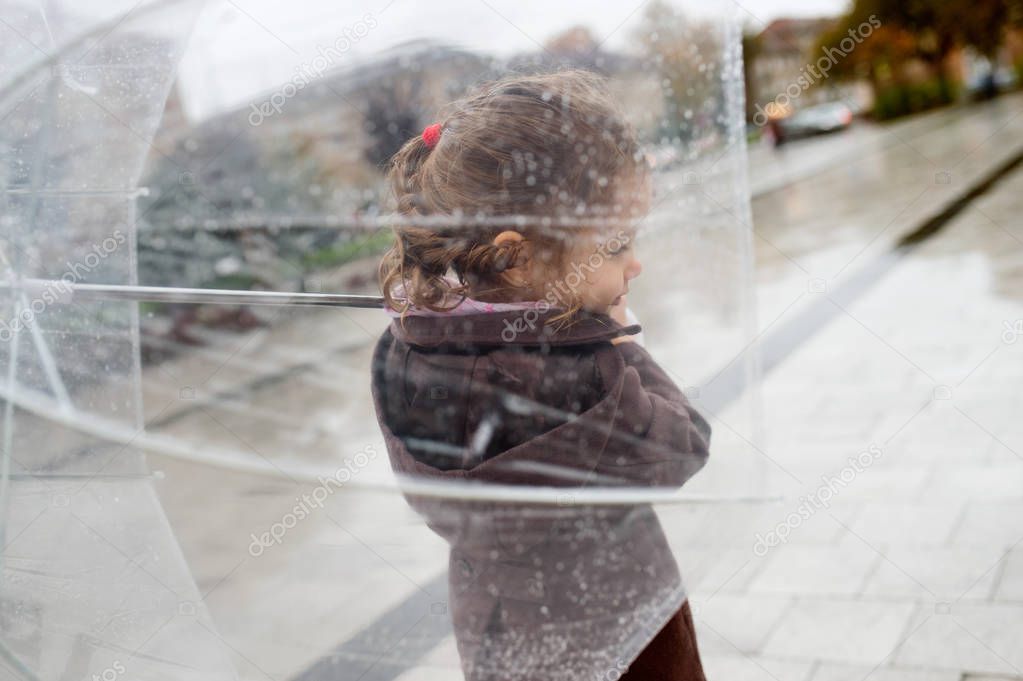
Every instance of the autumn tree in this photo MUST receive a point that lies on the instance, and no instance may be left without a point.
(687, 55)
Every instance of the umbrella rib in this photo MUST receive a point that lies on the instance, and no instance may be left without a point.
(65, 291)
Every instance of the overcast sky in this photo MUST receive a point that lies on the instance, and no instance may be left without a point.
(243, 48)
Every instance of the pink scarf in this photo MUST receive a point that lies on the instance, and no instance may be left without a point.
(465, 306)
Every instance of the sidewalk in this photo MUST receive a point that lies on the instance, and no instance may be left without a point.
(916, 571)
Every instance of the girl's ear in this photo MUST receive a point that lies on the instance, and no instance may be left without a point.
(507, 236)
(520, 275)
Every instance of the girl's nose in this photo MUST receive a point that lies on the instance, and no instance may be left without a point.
(634, 269)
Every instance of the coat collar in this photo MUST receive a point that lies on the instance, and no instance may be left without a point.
(518, 327)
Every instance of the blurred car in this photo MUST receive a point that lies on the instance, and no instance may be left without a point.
(814, 120)
(987, 82)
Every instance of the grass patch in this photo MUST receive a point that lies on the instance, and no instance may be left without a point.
(340, 254)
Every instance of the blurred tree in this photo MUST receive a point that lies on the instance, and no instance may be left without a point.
(926, 32)
(936, 26)
(577, 40)
(686, 54)
(575, 47)
(392, 116)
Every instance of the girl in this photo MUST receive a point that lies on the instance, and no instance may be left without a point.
(510, 361)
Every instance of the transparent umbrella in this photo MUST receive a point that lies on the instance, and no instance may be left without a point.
(199, 478)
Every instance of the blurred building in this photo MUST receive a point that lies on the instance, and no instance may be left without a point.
(788, 50)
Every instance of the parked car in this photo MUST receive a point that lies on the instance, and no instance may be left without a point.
(814, 120)
(987, 82)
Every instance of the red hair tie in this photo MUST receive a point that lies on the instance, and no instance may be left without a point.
(431, 135)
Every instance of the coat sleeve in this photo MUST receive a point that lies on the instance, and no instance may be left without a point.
(658, 438)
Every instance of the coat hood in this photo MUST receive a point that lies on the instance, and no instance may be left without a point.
(521, 399)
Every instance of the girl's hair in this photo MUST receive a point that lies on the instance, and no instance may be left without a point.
(541, 154)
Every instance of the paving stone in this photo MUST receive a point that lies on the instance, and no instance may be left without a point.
(940, 574)
(840, 672)
(440, 664)
(907, 523)
(858, 632)
(940, 433)
(754, 668)
(993, 524)
(841, 571)
(729, 623)
(979, 638)
(1010, 577)
(995, 482)
(713, 526)
(712, 571)
(902, 482)
(809, 525)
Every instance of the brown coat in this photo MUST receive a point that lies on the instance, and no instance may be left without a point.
(543, 591)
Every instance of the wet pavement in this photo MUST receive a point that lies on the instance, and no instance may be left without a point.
(915, 569)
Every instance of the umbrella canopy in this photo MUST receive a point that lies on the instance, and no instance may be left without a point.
(203, 475)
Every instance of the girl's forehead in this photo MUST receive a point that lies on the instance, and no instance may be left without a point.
(586, 238)
(590, 238)
(620, 232)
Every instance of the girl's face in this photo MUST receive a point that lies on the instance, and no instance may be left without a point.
(600, 267)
